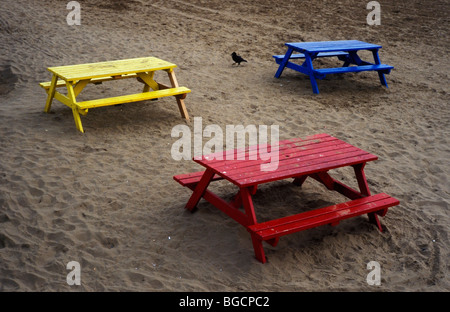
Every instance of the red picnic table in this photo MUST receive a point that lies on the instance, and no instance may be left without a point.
(313, 157)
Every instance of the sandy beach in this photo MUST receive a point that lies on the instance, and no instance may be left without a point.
(107, 199)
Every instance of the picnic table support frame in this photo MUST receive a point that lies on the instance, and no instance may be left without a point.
(377, 60)
(51, 93)
(244, 198)
(180, 101)
(284, 62)
(309, 68)
(348, 56)
(200, 189)
(78, 79)
(72, 98)
(241, 208)
(335, 185)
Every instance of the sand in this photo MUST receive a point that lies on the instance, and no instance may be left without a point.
(107, 199)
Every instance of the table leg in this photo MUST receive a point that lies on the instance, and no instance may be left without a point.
(283, 63)
(246, 197)
(77, 118)
(345, 59)
(309, 67)
(51, 93)
(376, 58)
(200, 189)
(353, 58)
(180, 101)
(364, 188)
(361, 178)
(299, 180)
(72, 97)
(237, 201)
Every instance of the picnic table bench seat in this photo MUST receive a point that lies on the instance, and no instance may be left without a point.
(328, 215)
(191, 179)
(384, 68)
(133, 97)
(178, 91)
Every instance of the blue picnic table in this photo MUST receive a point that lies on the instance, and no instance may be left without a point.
(345, 50)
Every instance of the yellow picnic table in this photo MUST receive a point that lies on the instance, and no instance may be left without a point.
(76, 77)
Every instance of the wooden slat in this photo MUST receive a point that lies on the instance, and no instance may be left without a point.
(317, 212)
(62, 83)
(295, 158)
(132, 98)
(288, 153)
(192, 178)
(240, 169)
(327, 219)
(221, 166)
(321, 54)
(322, 216)
(331, 46)
(238, 153)
(287, 172)
(110, 68)
(303, 158)
(349, 69)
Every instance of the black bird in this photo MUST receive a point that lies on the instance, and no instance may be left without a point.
(237, 58)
